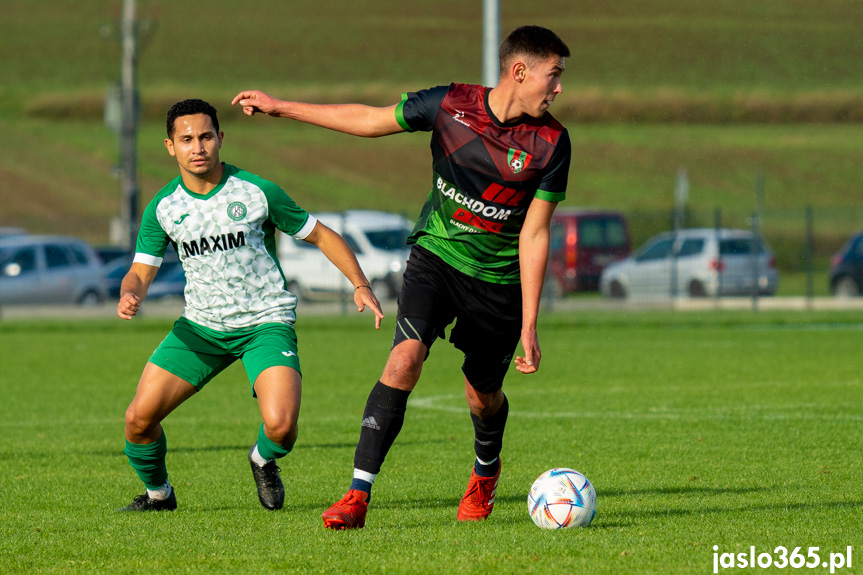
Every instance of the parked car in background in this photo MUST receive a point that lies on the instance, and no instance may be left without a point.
(695, 263)
(49, 270)
(110, 253)
(583, 242)
(164, 284)
(377, 238)
(10, 231)
(168, 284)
(846, 268)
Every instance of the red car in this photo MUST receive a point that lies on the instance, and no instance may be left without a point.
(583, 242)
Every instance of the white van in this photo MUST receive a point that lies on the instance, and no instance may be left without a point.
(378, 240)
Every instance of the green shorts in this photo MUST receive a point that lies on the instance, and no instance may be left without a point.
(198, 354)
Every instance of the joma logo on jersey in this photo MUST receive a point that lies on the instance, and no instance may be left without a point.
(517, 160)
(211, 244)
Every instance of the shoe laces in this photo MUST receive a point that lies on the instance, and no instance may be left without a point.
(352, 498)
(481, 490)
(270, 473)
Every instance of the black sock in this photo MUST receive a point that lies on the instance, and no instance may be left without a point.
(488, 439)
(382, 421)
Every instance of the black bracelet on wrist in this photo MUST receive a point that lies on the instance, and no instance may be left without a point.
(362, 286)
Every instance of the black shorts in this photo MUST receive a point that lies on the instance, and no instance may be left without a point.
(488, 316)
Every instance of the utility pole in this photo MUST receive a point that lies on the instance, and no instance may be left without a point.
(129, 123)
(681, 196)
(756, 232)
(490, 42)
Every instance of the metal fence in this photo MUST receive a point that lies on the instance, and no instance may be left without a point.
(801, 243)
(797, 247)
(792, 261)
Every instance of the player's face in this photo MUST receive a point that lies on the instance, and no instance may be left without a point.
(541, 84)
(195, 145)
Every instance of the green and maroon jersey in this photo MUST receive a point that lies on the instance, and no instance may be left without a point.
(485, 176)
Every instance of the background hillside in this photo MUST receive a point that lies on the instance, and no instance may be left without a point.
(727, 89)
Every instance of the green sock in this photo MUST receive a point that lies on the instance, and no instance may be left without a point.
(269, 449)
(148, 461)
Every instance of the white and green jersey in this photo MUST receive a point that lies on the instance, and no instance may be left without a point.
(226, 241)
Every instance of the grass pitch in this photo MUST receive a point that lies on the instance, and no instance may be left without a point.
(731, 429)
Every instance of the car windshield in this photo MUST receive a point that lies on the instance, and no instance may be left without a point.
(5, 256)
(601, 233)
(656, 250)
(15, 261)
(395, 239)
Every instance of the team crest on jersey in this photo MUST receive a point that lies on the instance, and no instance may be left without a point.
(518, 160)
(237, 211)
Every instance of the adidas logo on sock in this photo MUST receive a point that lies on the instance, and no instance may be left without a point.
(371, 423)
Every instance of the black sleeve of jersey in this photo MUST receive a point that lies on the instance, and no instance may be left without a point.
(419, 109)
(557, 174)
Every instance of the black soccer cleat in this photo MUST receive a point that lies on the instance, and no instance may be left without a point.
(146, 503)
(271, 492)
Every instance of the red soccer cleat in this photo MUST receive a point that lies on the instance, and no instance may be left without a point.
(349, 512)
(478, 500)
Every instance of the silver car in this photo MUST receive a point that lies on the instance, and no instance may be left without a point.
(696, 263)
(49, 270)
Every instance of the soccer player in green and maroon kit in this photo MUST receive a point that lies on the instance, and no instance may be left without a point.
(480, 247)
(223, 222)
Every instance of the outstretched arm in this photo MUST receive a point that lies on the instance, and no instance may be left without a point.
(337, 251)
(134, 288)
(354, 119)
(533, 259)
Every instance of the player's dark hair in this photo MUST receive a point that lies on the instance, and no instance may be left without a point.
(189, 108)
(533, 42)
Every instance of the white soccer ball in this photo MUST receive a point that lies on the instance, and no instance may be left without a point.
(561, 498)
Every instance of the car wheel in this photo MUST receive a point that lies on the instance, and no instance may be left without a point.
(382, 289)
(846, 287)
(295, 288)
(90, 298)
(616, 290)
(697, 289)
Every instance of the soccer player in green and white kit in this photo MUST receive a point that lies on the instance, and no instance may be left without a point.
(480, 248)
(223, 222)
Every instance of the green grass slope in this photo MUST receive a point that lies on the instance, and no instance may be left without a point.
(726, 89)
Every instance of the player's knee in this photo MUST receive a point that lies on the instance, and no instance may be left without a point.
(138, 423)
(283, 431)
(483, 405)
(404, 365)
